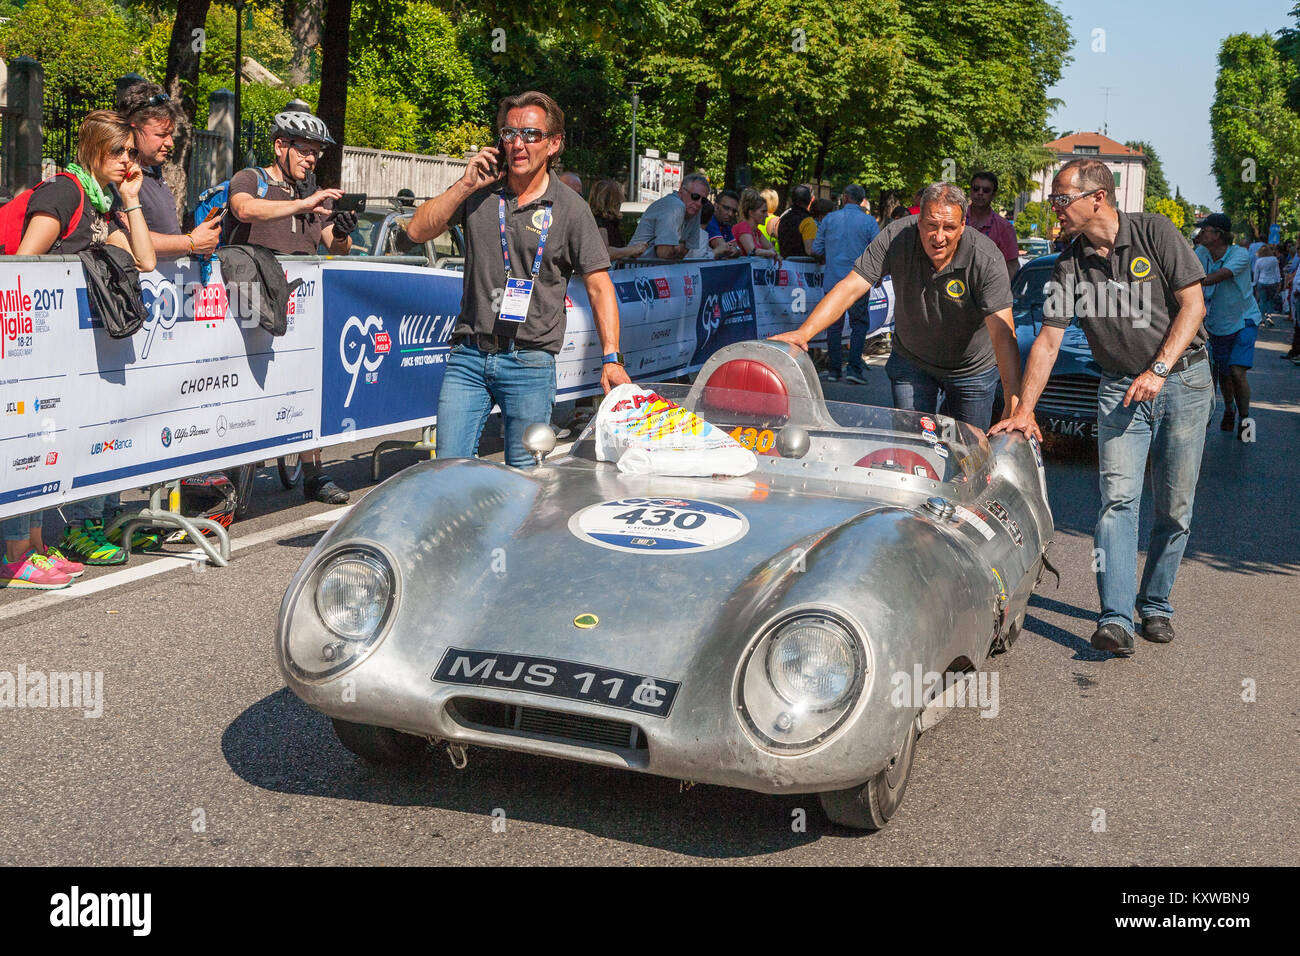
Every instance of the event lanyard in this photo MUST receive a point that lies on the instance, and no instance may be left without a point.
(505, 249)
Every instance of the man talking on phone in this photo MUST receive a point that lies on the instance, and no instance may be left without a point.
(153, 119)
(526, 233)
(292, 217)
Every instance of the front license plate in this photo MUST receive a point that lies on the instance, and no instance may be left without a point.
(557, 678)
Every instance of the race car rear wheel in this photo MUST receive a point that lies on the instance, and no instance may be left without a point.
(378, 744)
(870, 806)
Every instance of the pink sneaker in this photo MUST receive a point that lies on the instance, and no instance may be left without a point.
(61, 563)
(35, 572)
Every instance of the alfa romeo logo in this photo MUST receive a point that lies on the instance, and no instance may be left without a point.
(167, 437)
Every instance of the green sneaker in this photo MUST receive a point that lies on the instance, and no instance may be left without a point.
(88, 543)
(141, 538)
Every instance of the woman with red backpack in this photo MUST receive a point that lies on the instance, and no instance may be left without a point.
(65, 215)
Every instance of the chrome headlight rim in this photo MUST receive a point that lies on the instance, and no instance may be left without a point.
(307, 590)
(851, 700)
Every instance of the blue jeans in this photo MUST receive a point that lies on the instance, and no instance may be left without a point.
(522, 382)
(967, 399)
(92, 509)
(1171, 429)
(19, 527)
(859, 322)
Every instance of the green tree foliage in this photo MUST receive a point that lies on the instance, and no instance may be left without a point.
(266, 41)
(377, 122)
(1255, 133)
(464, 138)
(1157, 184)
(957, 107)
(408, 53)
(1170, 208)
(1035, 214)
(81, 44)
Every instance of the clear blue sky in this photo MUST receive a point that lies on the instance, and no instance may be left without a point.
(1160, 60)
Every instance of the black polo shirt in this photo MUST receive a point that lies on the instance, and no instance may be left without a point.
(939, 316)
(1105, 292)
(158, 204)
(573, 246)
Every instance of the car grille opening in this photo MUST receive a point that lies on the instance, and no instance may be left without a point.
(580, 729)
(1074, 394)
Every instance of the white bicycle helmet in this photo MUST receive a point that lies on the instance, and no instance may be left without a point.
(296, 123)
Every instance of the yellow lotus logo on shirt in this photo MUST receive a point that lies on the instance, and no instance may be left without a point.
(956, 288)
(539, 219)
(1140, 267)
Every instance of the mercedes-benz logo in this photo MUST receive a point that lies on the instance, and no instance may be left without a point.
(221, 426)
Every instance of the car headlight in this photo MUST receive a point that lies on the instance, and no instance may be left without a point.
(353, 591)
(811, 663)
(353, 595)
(800, 680)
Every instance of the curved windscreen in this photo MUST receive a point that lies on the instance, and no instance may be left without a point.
(776, 424)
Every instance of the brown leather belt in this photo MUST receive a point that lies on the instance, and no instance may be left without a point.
(1188, 360)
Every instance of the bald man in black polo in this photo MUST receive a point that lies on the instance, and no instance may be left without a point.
(953, 329)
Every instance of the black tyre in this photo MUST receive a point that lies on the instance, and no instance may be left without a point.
(378, 744)
(870, 806)
(290, 468)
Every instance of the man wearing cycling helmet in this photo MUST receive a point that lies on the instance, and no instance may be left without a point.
(292, 217)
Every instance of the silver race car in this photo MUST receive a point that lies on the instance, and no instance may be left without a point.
(790, 631)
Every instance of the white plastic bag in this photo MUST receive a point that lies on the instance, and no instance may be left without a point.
(649, 435)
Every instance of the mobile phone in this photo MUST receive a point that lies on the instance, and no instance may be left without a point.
(351, 202)
(214, 213)
(502, 164)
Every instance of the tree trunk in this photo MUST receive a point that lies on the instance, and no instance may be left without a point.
(333, 105)
(737, 137)
(823, 145)
(692, 146)
(187, 45)
(302, 18)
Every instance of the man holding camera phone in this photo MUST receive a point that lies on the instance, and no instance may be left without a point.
(293, 218)
(526, 233)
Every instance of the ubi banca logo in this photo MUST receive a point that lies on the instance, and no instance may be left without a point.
(113, 444)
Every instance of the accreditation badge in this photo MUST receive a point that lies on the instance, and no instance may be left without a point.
(514, 304)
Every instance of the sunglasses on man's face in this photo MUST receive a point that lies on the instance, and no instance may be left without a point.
(529, 134)
(697, 197)
(1061, 200)
(311, 150)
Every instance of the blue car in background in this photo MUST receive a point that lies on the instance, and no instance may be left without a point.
(1068, 405)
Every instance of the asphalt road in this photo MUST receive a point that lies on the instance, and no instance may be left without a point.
(202, 757)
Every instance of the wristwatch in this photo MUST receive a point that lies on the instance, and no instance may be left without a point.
(615, 357)
(1160, 368)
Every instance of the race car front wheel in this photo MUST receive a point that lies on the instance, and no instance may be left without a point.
(378, 744)
(870, 806)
